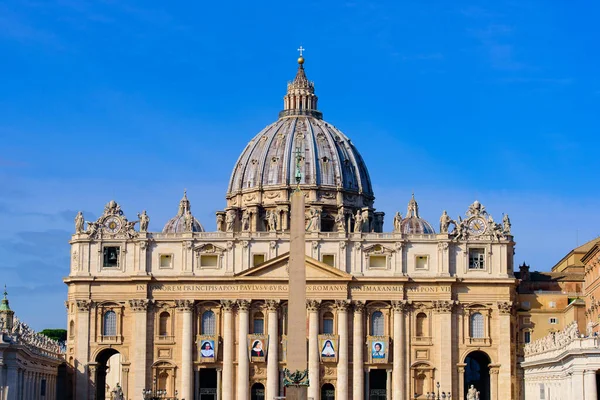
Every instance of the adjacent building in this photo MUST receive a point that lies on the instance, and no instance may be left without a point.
(203, 315)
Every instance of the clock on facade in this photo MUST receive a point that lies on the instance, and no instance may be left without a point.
(112, 224)
(477, 226)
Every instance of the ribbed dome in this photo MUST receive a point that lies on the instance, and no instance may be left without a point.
(330, 158)
(177, 224)
(413, 224)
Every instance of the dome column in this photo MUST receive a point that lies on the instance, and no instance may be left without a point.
(313, 348)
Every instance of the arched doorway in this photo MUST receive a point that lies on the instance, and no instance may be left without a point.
(108, 360)
(257, 392)
(327, 392)
(477, 373)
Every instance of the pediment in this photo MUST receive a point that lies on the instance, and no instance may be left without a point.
(277, 268)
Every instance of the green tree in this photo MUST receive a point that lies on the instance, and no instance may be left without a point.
(56, 334)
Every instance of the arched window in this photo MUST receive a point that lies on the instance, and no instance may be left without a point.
(421, 328)
(327, 392)
(377, 324)
(208, 323)
(72, 328)
(258, 324)
(163, 323)
(110, 324)
(328, 323)
(477, 325)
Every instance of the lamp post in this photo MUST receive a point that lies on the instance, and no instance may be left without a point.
(433, 396)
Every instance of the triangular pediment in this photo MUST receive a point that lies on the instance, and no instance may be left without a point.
(277, 268)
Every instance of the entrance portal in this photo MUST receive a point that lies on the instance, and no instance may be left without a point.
(327, 392)
(377, 384)
(104, 365)
(208, 384)
(477, 373)
(257, 392)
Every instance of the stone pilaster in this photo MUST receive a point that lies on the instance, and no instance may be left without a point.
(186, 309)
(358, 348)
(444, 323)
(589, 385)
(342, 368)
(227, 376)
(81, 348)
(273, 354)
(313, 348)
(505, 310)
(399, 355)
(243, 389)
(140, 325)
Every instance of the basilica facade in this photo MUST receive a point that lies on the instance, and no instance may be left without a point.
(203, 315)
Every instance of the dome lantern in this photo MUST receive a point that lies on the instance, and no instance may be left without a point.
(413, 223)
(300, 98)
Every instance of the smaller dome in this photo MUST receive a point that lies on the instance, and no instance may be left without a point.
(178, 224)
(413, 224)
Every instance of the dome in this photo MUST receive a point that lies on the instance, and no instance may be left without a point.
(413, 224)
(177, 224)
(329, 161)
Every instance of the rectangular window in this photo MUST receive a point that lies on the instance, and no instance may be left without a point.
(209, 261)
(552, 304)
(422, 262)
(166, 261)
(527, 337)
(476, 258)
(111, 256)
(329, 259)
(553, 321)
(526, 320)
(377, 262)
(328, 326)
(526, 305)
(257, 259)
(259, 325)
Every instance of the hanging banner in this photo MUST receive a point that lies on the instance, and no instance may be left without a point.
(257, 347)
(378, 349)
(207, 348)
(328, 348)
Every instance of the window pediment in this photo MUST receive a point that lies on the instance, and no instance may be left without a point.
(209, 248)
(378, 249)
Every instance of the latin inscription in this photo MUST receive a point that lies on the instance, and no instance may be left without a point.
(215, 288)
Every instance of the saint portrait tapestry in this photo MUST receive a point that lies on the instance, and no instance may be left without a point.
(378, 349)
(257, 347)
(207, 348)
(328, 345)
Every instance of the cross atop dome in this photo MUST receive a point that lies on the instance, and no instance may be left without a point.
(300, 98)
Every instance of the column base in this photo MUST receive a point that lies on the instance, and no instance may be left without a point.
(296, 393)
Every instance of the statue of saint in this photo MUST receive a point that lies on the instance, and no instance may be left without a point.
(245, 221)
(144, 221)
(506, 224)
(472, 394)
(339, 222)
(398, 222)
(358, 222)
(230, 220)
(444, 222)
(272, 220)
(79, 222)
(315, 220)
(219, 223)
(188, 221)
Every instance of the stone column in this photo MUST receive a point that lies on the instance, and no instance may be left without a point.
(577, 381)
(125, 379)
(494, 394)
(313, 348)
(187, 338)
(589, 385)
(140, 325)
(273, 354)
(399, 364)
(82, 332)
(443, 309)
(227, 378)
(388, 385)
(243, 389)
(505, 344)
(342, 368)
(461, 380)
(358, 340)
(219, 383)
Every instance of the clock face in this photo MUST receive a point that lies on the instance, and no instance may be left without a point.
(112, 225)
(477, 226)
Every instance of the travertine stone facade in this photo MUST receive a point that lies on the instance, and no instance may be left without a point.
(388, 314)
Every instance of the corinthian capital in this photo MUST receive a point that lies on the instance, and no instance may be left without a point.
(227, 305)
(184, 305)
(444, 306)
(400, 306)
(83, 305)
(272, 305)
(342, 305)
(359, 306)
(313, 305)
(505, 307)
(243, 305)
(139, 305)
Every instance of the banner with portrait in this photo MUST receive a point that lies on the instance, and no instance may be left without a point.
(378, 349)
(207, 348)
(257, 347)
(328, 348)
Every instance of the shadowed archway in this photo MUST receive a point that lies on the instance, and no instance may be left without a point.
(102, 361)
(477, 373)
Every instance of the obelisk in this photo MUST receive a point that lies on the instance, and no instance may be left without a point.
(296, 388)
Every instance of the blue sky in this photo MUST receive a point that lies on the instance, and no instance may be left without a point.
(495, 101)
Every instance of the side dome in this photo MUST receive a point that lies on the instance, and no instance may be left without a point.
(413, 224)
(184, 221)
